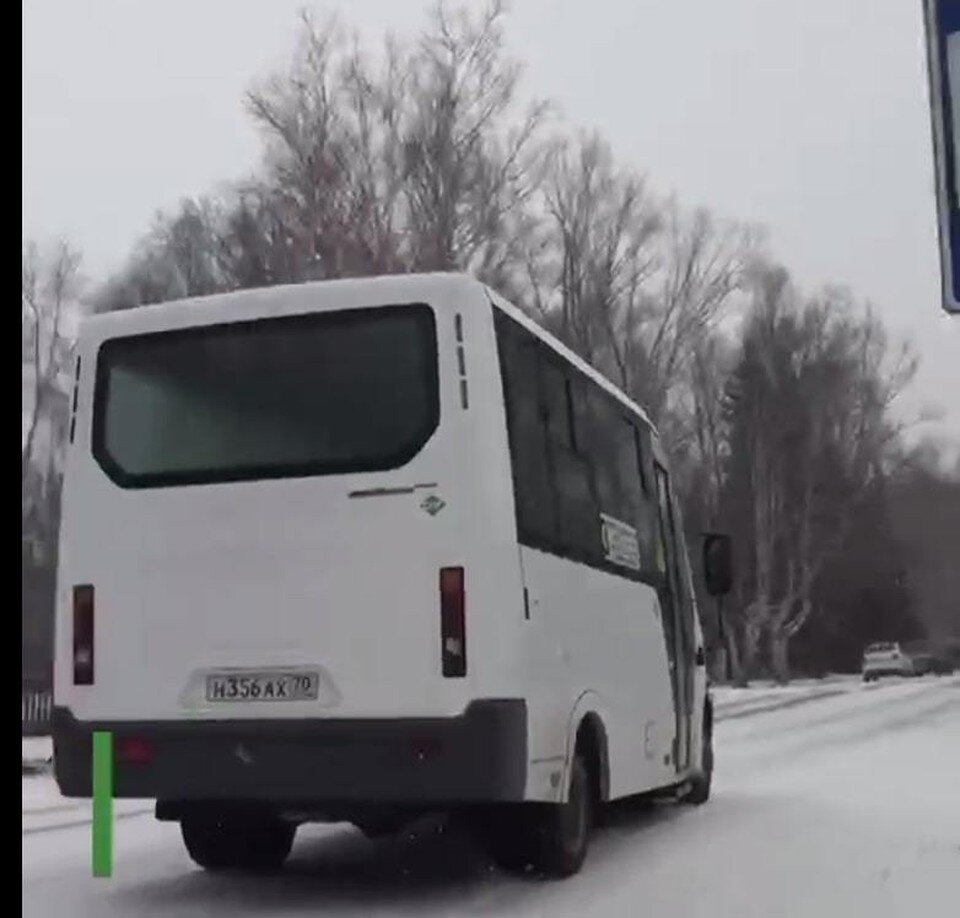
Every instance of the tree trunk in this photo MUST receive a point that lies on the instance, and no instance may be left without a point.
(26, 457)
(780, 656)
(726, 657)
(751, 651)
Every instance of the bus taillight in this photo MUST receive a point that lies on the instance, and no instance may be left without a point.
(83, 634)
(134, 751)
(453, 633)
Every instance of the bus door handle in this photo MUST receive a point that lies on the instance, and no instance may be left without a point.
(701, 659)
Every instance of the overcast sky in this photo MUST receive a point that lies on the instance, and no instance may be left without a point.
(809, 118)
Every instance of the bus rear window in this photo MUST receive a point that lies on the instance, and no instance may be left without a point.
(318, 394)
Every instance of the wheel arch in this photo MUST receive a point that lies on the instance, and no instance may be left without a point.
(587, 730)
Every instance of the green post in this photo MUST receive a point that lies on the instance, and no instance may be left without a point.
(102, 804)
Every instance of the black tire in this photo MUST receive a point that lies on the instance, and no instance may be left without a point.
(563, 832)
(232, 843)
(699, 791)
(546, 839)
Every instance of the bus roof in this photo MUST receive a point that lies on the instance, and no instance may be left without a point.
(282, 299)
(318, 296)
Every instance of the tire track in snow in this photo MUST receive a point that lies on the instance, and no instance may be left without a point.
(80, 821)
(763, 702)
(777, 737)
(846, 705)
(748, 709)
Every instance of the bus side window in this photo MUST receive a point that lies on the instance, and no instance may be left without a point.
(595, 436)
(611, 441)
(687, 595)
(536, 514)
(645, 520)
(665, 532)
(556, 406)
(571, 472)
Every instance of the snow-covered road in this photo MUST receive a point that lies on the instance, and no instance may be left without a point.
(834, 799)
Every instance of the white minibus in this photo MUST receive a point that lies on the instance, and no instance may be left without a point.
(365, 549)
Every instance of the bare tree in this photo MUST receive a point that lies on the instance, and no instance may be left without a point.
(49, 289)
(750, 487)
(599, 251)
(376, 99)
(849, 382)
(300, 113)
(468, 159)
(254, 245)
(177, 258)
(710, 365)
(706, 262)
(413, 159)
(811, 436)
(50, 286)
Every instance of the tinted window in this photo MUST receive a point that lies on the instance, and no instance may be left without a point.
(571, 471)
(603, 433)
(577, 457)
(614, 444)
(519, 359)
(556, 402)
(324, 393)
(638, 507)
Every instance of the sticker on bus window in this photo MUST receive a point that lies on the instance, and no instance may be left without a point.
(620, 542)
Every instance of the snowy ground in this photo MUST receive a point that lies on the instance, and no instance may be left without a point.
(831, 798)
(37, 747)
(37, 754)
(733, 703)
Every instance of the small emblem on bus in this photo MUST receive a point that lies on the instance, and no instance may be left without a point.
(433, 504)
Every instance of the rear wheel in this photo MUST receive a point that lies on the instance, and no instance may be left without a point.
(563, 832)
(548, 838)
(237, 843)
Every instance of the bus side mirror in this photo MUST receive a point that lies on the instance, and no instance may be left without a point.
(717, 563)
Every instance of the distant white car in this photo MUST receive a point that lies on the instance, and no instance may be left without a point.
(886, 659)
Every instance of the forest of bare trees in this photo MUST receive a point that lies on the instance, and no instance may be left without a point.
(50, 290)
(777, 404)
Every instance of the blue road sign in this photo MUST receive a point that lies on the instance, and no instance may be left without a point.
(943, 57)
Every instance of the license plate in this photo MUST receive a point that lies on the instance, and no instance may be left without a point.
(249, 686)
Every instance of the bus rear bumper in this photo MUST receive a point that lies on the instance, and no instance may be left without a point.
(478, 756)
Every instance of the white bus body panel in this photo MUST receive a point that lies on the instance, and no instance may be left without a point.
(291, 572)
(594, 634)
